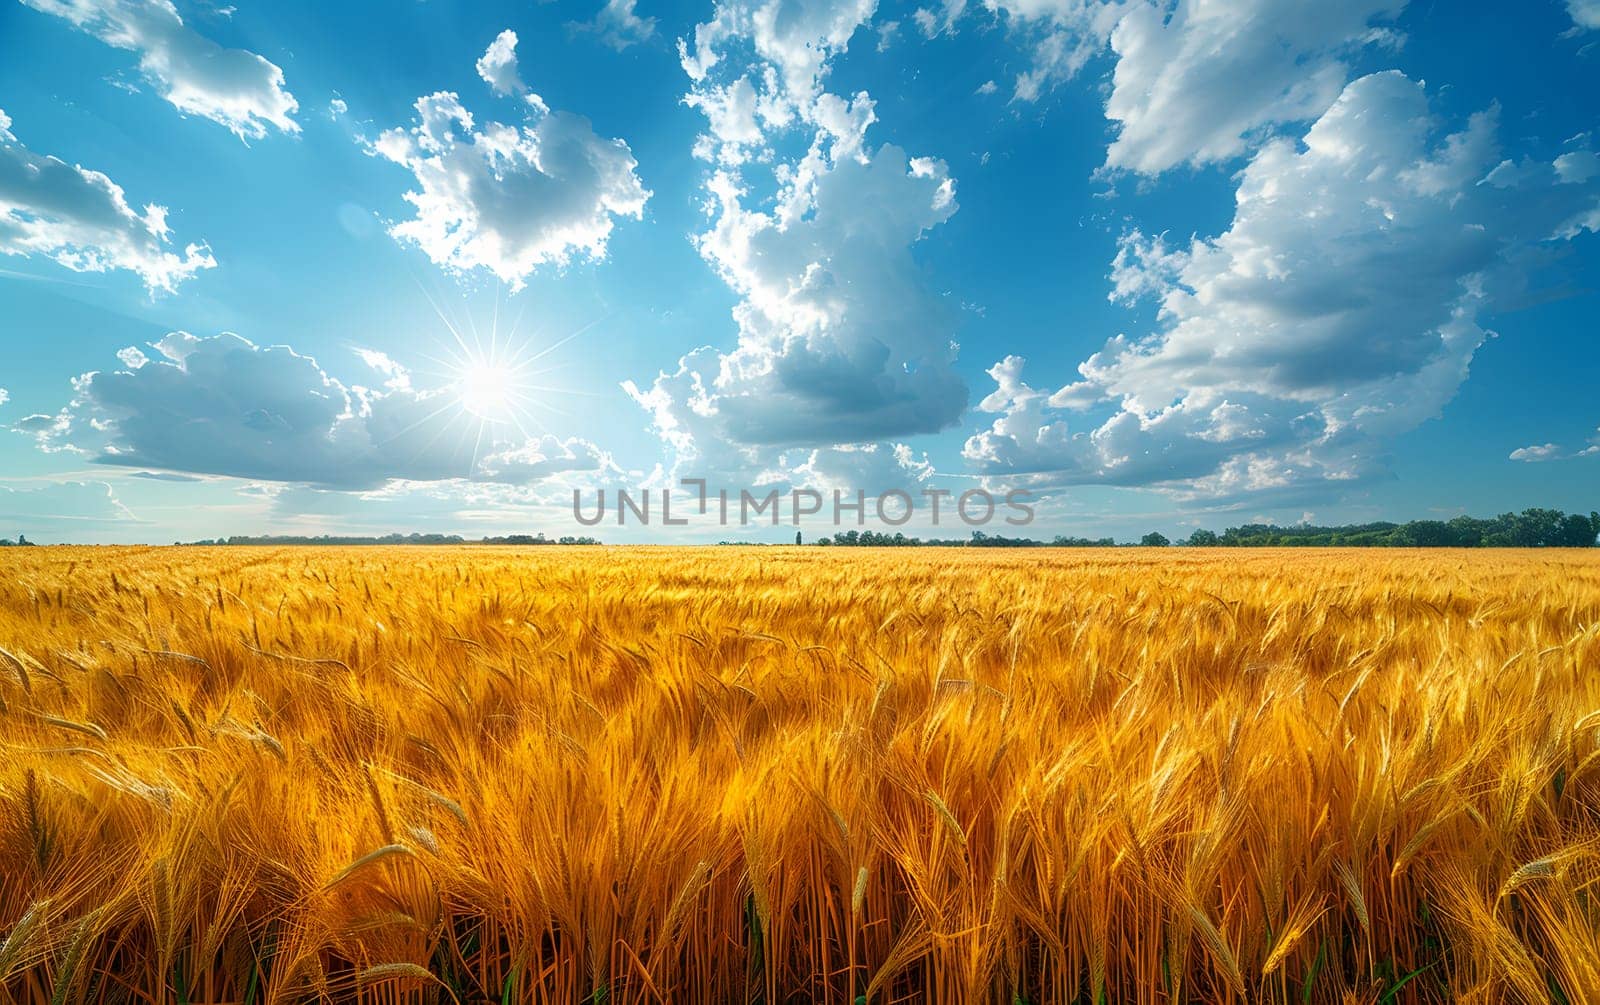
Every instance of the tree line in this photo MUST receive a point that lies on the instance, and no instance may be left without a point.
(1532, 528)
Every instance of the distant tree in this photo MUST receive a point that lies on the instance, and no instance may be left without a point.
(1538, 528)
(1425, 534)
(1063, 541)
(1576, 531)
(1466, 532)
(1531, 528)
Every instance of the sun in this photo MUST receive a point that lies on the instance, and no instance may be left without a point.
(490, 384)
(488, 389)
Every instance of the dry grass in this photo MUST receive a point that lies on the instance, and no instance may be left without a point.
(785, 775)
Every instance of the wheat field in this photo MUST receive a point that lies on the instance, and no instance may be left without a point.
(787, 775)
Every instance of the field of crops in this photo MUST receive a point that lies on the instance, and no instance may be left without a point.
(785, 775)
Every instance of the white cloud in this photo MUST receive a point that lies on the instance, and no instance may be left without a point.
(841, 340)
(232, 87)
(1578, 166)
(1189, 440)
(81, 220)
(733, 118)
(1585, 13)
(873, 468)
(796, 38)
(683, 414)
(510, 198)
(1341, 307)
(887, 30)
(1202, 85)
(396, 377)
(619, 25)
(1061, 36)
(1195, 81)
(1556, 452)
(224, 406)
(537, 459)
(935, 22)
(1539, 452)
(498, 65)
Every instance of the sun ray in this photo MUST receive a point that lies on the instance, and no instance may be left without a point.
(426, 418)
(491, 379)
(558, 344)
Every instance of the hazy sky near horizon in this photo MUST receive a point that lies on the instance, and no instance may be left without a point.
(356, 268)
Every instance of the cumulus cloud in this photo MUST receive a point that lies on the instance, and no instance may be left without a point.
(510, 198)
(1201, 85)
(1556, 452)
(1585, 13)
(1061, 36)
(81, 219)
(1190, 440)
(1539, 452)
(1577, 166)
(1197, 82)
(872, 467)
(840, 338)
(225, 406)
(1342, 306)
(1194, 82)
(795, 39)
(540, 458)
(232, 87)
(619, 25)
(498, 65)
(683, 414)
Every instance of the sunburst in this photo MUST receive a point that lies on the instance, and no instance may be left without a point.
(495, 386)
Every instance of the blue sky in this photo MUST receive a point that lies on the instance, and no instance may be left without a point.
(360, 268)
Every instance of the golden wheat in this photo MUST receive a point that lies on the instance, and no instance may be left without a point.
(778, 775)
